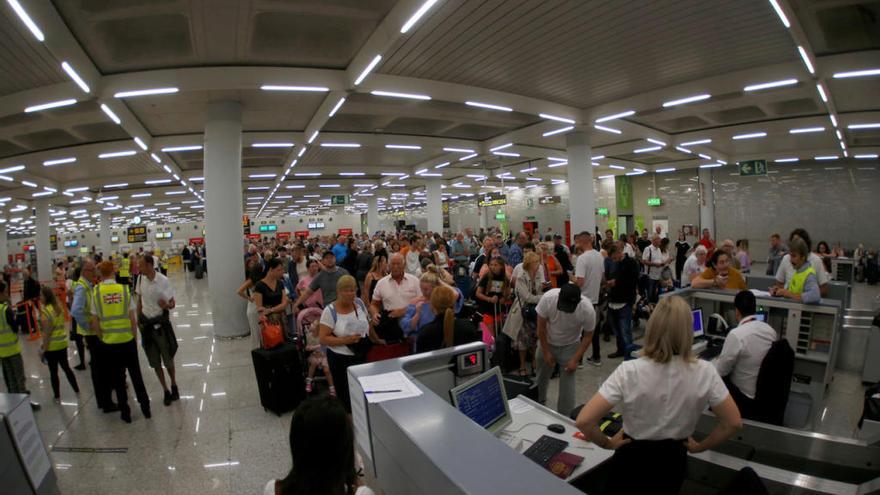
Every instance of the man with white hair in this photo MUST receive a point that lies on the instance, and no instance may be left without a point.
(694, 265)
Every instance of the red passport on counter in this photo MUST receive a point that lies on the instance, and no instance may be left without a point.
(563, 463)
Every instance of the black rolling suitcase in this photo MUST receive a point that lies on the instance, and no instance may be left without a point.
(279, 377)
(200, 270)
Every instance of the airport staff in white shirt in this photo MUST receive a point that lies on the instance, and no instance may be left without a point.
(786, 269)
(744, 350)
(662, 396)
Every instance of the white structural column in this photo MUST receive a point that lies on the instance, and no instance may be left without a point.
(104, 238)
(4, 247)
(581, 198)
(223, 243)
(44, 251)
(435, 205)
(372, 215)
(707, 201)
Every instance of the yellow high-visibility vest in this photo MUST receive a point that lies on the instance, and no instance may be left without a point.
(799, 279)
(58, 335)
(9, 345)
(124, 267)
(111, 307)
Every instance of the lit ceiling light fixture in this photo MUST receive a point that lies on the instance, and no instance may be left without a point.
(312, 138)
(392, 174)
(351, 174)
(772, 84)
(427, 174)
(328, 186)
(157, 182)
(76, 189)
(704, 156)
(336, 107)
(615, 116)
(59, 161)
(340, 145)
(683, 101)
(417, 15)
(506, 153)
(51, 104)
(857, 73)
(806, 58)
(369, 68)
(617, 167)
(871, 125)
(441, 165)
(394, 94)
(822, 94)
(525, 170)
(488, 105)
(786, 160)
(113, 186)
(866, 156)
(44, 193)
(780, 13)
(711, 165)
(608, 129)
(28, 183)
(664, 170)
(295, 186)
(556, 118)
(605, 177)
(656, 141)
(262, 176)
(694, 143)
(76, 78)
(833, 119)
(14, 168)
(558, 131)
(806, 130)
(117, 154)
(468, 157)
(308, 174)
(648, 150)
(403, 147)
(272, 145)
(826, 157)
(683, 150)
(751, 135)
(26, 19)
(557, 164)
(311, 89)
(145, 92)
(499, 148)
(173, 149)
(140, 142)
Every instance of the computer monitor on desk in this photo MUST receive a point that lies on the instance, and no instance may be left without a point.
(484, 400)
(698, 322)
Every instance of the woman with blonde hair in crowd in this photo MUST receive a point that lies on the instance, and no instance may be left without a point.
(448, 330)
(418, 313)
(522, 320)
(662, 396)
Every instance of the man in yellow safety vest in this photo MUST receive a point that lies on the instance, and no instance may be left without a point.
(10, 349)
(804, 283)
(115, 322)
(81, 310)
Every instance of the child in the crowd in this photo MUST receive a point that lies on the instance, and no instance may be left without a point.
(317, 358)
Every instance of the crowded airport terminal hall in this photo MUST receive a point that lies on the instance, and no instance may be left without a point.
(451, 247)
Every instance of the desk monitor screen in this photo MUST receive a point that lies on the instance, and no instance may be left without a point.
(698, 322)
(484, 400)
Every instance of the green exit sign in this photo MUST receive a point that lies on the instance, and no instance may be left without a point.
(603, 212)
(500, 216)
(654, 202)
(339, 199)
(752, 167)
(268, 228)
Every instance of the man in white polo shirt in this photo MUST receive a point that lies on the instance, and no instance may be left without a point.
(391, 297)
(565, 328)
(155, 298)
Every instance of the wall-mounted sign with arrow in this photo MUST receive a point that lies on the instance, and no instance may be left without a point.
(753, 167)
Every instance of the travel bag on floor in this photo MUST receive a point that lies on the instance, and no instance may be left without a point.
(279, 377)
(200, 270)
(520, 385)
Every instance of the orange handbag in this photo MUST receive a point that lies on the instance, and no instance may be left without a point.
(271, 334)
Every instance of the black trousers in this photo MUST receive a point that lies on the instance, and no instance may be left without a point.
(78, 340)
(339, 364)
(122, 358)
(661, 466)
(747, 406)
(99, 371)
(55, 359)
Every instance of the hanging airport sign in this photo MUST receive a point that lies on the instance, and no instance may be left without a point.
(53, 242)
(752, 167)
(268, 228)
(493, 199)
(338, 199)
(302, 234)
(345, 231)
(654, 202)
(137, 234)
(549, 200)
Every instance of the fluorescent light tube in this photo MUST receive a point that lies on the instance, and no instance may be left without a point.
(337, 107)
(557, 164)
(711, 165)
(272, 145)
(656, 141)
(28, 183)
(307, 174)
(615, 116)
(340, 145)
(173, 149)
(503, 146)
(617, 167)
(751, 135)
(351, 174)
(394, 94)
(664, 170)
(826, 157)
(558, 131)
(866, 156)
(822, 94)
(857, 73)
(441, 165)
(467, 157)
(704, 156)
(369, 68)
(805, 130)
(145, 92)
(312, 89)
(772, 84)
(458, 150)
(51, 104)
(683, 150)
(403, 147)
(113, 186)
(689, 99)
(117, 154)
(872, 125)
(14, 168)
(262, 176)
(556, 118)
(608, 129)
(488, 105)
(26, 19)
(312, 138)
(59, 161)
(506, 153)
(73, 75)
(417, 15)
(140, 142)
(649, 149)
(806, 59)
(780, 13)
(110, 114)
(157, 182)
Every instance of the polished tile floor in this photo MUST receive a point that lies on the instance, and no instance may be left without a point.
(217, 438)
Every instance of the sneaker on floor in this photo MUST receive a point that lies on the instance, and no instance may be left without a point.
(615, 355)
(167, 398)
(594, 362)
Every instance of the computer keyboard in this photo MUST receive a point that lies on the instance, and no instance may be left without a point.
(710, 352)
(544, 449)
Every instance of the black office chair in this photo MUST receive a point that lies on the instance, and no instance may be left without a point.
(774, 384)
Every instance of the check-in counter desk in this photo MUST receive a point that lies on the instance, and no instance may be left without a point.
(423, 445)
(813, 331)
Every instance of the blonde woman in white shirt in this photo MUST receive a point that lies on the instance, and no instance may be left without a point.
(661, 396)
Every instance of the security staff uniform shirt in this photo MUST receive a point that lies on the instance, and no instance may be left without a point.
(150, 291)
(744, 351)
(786, 270)
(132, 306)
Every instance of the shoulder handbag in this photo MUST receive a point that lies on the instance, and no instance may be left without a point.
(271, 333)
(362, 347)
(529, 311)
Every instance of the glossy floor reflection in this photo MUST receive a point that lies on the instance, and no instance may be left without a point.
(217, 438)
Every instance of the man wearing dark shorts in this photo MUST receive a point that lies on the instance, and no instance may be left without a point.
(155, 298)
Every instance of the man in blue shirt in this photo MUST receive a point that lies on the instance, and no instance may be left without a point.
(515, 254)
(340, 250)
